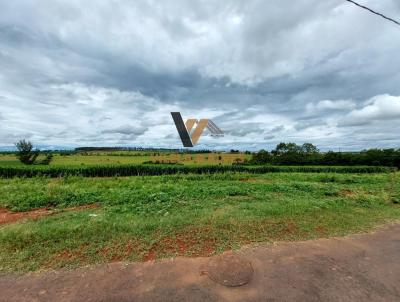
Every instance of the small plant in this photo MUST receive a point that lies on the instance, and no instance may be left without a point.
(47, 160)
(26, 154)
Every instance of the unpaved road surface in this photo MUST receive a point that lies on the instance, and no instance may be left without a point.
(355, 268)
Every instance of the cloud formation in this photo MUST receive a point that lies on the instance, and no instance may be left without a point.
(88, 73)
(379, 108)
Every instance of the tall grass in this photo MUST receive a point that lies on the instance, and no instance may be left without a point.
(142, 170)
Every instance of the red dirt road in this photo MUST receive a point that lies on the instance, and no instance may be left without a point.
(355, 268)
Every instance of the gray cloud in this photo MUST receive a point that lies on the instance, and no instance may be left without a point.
(264, 71)
(127, 130)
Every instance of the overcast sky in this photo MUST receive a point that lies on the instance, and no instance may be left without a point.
(106, 73)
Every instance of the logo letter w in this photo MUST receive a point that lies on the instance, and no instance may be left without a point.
(189, 139)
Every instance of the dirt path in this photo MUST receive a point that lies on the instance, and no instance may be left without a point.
(356, 268)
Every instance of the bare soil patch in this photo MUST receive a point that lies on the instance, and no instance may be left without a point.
(354, 268)
(347, 193)
(187, 243)
(7, 216)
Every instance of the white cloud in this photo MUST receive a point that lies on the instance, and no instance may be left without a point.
(379, 108)
(328, 105)
(74, 112)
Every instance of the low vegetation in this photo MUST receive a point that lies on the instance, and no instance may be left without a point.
(144, 218)
(93, 205)
(162, 169)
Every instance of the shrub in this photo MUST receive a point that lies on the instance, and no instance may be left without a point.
(26, 154)
(47, 160)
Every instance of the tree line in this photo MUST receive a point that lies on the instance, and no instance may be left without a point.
(308, 154)
(283, 154)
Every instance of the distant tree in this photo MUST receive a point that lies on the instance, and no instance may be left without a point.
(261, 157)
(308, 154)
(309, 148)
(333, 158)
(25, 153)
(286, 148)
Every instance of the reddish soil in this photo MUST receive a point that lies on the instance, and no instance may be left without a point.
(349, 269)
(289, 228)
(187, 243)
(7, 216)
(347, 193)
(321, 230)
(68, 256)
(119, 251)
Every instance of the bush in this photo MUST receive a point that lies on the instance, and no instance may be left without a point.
(26, 154)
(47, 160)
(261, 157)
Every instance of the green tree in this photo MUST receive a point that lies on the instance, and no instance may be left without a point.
(286, 148)
(261, 157)
(26, 154)
(309, 148)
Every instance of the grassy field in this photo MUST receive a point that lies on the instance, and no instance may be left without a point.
(150, 217)
(116, 158)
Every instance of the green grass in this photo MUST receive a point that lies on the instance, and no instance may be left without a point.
(143, 218)
(124, 158)
(169, 169)
(9, 160)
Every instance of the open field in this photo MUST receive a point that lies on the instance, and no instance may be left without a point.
(117, 158)
(134, 163)
(150, 217)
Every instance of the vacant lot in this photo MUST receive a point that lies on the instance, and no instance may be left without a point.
(144, 218)
(116, 158)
